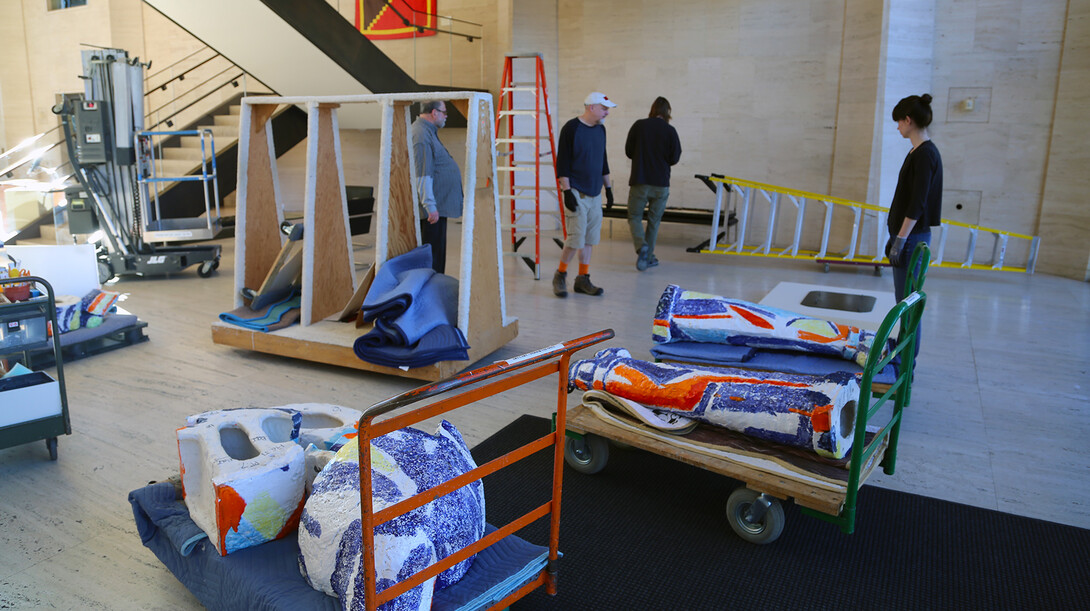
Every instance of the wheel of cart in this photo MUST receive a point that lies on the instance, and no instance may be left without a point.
(586, 453)
(207, 267)
(754, 516)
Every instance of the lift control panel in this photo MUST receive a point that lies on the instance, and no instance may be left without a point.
(91, 132)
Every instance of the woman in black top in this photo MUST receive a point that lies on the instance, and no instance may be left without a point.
(917, 201)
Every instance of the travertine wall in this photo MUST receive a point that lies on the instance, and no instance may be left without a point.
(791, 92)
(452, 61)
(1005, 56)
(1064, 214)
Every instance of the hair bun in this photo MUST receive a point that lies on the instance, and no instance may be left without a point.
(926, 98)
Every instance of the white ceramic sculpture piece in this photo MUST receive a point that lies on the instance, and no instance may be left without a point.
(807, 411)
(243, 475)
(403, 463)
(245, 471)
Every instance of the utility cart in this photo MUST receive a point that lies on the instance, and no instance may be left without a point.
(33, 405)
(771, 472)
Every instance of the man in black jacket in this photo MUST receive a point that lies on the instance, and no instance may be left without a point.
(653, 146)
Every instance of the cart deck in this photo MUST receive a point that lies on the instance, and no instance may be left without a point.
(813, 482)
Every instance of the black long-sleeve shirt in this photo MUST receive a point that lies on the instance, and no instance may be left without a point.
(919, 190)
(581, 156)
(653, 146)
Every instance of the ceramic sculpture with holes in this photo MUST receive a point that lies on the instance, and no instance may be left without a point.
(244, 471)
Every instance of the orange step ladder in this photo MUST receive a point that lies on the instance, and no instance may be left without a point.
(521, 159)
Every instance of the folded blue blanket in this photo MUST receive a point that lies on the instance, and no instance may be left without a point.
(414, 311)
(443, 343)
(264, 319)
(716, 354)
(155, 507)
(766, 360)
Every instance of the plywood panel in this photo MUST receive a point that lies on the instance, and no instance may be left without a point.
(327, 259)
(485, 309)
(258, 207)
(401, 220)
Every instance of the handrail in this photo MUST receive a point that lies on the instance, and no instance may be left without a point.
(178, 77)
(168, 119)
(421, 28)
(151, 76)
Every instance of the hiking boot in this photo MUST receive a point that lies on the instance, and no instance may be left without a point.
(641, 258)
(560, 284)
(583, 285)
(652, 261)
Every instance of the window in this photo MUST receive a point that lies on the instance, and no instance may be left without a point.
(54, 5)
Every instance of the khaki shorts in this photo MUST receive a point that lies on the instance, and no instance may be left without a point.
(585, 224)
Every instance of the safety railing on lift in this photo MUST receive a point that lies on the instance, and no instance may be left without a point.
(751, 193)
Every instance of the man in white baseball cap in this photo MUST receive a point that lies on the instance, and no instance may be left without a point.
(597, 97)
(582, 169)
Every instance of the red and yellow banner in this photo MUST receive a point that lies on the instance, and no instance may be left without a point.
(379, 20)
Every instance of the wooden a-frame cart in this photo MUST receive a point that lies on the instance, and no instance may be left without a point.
(329, 284)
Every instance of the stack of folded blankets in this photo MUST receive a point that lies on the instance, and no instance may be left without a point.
(414, 311)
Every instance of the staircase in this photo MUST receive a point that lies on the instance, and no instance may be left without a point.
(182, 156)
(279, 37)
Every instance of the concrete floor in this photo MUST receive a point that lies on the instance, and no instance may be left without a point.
(999, 418)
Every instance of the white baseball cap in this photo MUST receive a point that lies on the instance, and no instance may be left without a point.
(598, 97)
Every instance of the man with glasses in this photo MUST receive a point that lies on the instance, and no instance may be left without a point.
(439, 181)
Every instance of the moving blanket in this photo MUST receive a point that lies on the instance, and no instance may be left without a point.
(699, 317)
(816, 412)
(271, 317)
(414, 311)
(267, 577)
(721, 355)
(262, 577)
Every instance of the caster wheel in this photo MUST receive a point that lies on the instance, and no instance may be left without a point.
(206, 268)
(588, 455)
(51, 445)
(215, 264)
(105, 272)
(741, 505)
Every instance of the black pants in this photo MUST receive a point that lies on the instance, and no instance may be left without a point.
(436, 235)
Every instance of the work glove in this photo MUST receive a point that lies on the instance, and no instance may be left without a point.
(895, 248)
(569, 200)
(609, 197)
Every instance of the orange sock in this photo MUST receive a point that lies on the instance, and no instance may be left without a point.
(562, 268)
(584, 269)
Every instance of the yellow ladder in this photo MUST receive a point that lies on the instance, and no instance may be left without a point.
(751, 194)
(525, 170)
